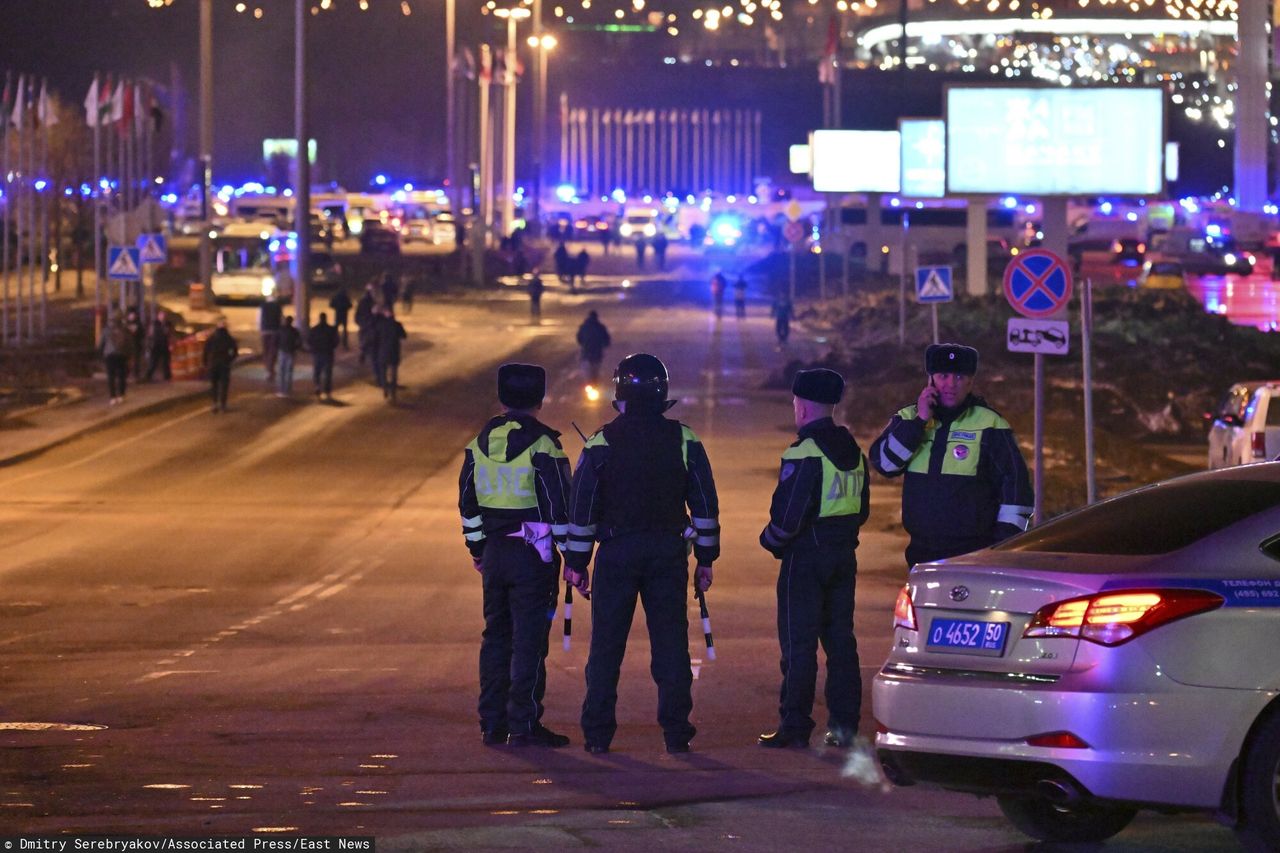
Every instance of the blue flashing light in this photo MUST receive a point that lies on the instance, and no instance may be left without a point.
(726, 230)
(619, 195)
(895, 202)
(408, 188)
(1009, 202)
(733, 199)
(86, 190)
(288, 193)
(919, 205)
(380, 180)
(170, 198)
(399, 195)
(67, 192)
(1105, 208)
(690, 199)
(40, 185)
(752, 200)
(566, 193)
(1131, 216)
(104, 183)
(274, 245)
(1213, 230)
(291, 244)
(1030, 209)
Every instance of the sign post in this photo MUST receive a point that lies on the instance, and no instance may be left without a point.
(793, 231)
(1086, 354)
(1037, 284)
(152, 250)
(933, 285)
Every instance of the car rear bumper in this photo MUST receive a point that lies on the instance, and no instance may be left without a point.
(1152, 745)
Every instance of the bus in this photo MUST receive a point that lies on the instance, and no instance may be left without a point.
(251, 263)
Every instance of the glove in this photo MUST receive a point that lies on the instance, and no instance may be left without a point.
(764, 543)
(475, 563)
(702, 578)
(581, 581)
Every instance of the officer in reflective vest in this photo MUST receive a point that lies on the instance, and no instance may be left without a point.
(965, 483)
(631, 488)
(821, 500)
(513, 494)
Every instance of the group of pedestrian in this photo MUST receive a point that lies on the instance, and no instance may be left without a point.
(127, 343)
(642, 497)
(571, 269)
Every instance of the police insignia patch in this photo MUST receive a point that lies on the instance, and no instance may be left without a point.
(960, 451)
(787, 471)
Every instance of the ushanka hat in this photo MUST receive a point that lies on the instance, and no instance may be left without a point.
(521, 386)
(819, 385)
(951, 358)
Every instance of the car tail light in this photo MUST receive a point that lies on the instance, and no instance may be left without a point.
(1258, 441)
(1112, 618)
(904, 612)
(1116, 246)
(1142, 248)
(1057, 740)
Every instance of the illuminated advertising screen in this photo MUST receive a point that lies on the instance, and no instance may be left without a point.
(851, 161)
(924, 157)
(1051, 141)
(287, 148)
(799, 159)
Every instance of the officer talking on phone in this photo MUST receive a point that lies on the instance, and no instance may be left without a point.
(965, 483)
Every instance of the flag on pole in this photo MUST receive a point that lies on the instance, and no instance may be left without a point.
(117, 104)
(486, 66)
(90, 103)
(155, 111)
(500, 67)
(105, 100)
(44, 111)
(125, 118)
(141, 106)
(464, 64)
(827, 64)
(19, 103)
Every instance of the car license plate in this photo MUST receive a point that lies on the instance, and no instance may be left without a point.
(967, 635)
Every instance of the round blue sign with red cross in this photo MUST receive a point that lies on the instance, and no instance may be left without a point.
(1037, 283)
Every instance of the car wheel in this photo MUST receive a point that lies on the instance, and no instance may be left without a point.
(1260, 789)
(1079, 822)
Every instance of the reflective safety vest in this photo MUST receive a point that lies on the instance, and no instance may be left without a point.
(964, 441)
(507, 483)
(841, 490)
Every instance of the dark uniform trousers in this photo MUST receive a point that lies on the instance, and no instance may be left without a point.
(654, 567)
(519, 604)
(928, 551)
(815, 603)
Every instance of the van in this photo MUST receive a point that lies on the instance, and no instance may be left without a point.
(1246, 425)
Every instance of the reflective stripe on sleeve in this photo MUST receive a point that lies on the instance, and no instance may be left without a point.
(559, 530)
(705, 523)
(474, 536)
(472, 523)
(588, 531)
(1019, 516)
(707, 541)
(575, 545)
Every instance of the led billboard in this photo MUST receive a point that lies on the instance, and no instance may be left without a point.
(798, 156)
(852, 161)
(1049, 141)
(924, 157)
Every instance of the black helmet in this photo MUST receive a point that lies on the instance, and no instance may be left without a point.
(641, 382)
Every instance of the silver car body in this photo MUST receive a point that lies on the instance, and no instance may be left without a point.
(1162, 717)
(1247, 408)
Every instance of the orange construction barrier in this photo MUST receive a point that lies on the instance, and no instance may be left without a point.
(187, 356)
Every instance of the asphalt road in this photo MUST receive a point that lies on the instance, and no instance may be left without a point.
(268, 622)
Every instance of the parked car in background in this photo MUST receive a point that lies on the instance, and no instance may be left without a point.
(1246, 425)
(326, 272)
(378, 239)
(1162, 275)
(444, 229)
(1117, 658)
(1128, 251)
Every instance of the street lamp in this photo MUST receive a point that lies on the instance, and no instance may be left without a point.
(542, 45)
(509, 117)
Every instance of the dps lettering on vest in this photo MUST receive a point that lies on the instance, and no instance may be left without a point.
(507, 483)
(841, 490)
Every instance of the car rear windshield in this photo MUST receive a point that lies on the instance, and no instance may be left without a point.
(1151, 521)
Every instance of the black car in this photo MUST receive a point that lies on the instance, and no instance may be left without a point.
(325, 271)
(377, 239)
(1129, 251)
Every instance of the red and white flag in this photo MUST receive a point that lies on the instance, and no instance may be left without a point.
(830, 54)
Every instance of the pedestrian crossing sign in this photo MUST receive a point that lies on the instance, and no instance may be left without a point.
(123, 263)
(933, 284)
(152, 248)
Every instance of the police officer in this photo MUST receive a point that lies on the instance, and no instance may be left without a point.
(631, 488)
(512, 494)
(965, 485)
(821, 500)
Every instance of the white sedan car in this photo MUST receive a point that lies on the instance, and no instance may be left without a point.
(1123, 656)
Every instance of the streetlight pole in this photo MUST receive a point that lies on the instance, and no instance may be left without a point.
(206, 143)
(302, 185)
(509, 119)
(450, 110)
(542, 46)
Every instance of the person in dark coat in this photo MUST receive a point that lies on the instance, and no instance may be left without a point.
(581, 267)
(782, 311)
(270, 316)
(114, 347)
(660, 249)
(388, 332)
(322, 340)
(290, 343)
(137, 341)
(564, 269)
(641, 245)
(535, 297)
(158, 347)
(220, 352)
(593, 339)
(340, 302)
(390, 289)
(364, 321)
(740, 296)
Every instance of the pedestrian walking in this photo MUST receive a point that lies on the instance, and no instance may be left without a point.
(388, 332)
(660, 249)
(564, 270)
(782, 311)
(641, 246)
(406, 295)
(593, 339)
(137, 342)
(290, 343)
(390, 290)
(115, 347)
(340, 302)
(158, 341)
(634, 480)
(322, 340)
(364, 321)
(581, 267)
(270, 316)
(718, 285)
(512, 495)
(220, 352)
(606, 237)
(740, 296)
(535, 297)
(821, 500)
(965, 484)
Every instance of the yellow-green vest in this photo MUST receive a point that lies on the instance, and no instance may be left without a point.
(841, 490)
(964, 441)
(507, 484)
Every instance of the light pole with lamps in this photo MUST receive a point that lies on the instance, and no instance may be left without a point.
(542, 45)
(512, 16)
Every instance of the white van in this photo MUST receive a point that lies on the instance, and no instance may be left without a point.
(1246, 425)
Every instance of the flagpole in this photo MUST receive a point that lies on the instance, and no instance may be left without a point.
(95, 118)
(44, 207)
(8, 208)
(19, 115)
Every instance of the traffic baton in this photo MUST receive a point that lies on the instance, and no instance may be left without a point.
(706, 625)
(568, 614)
